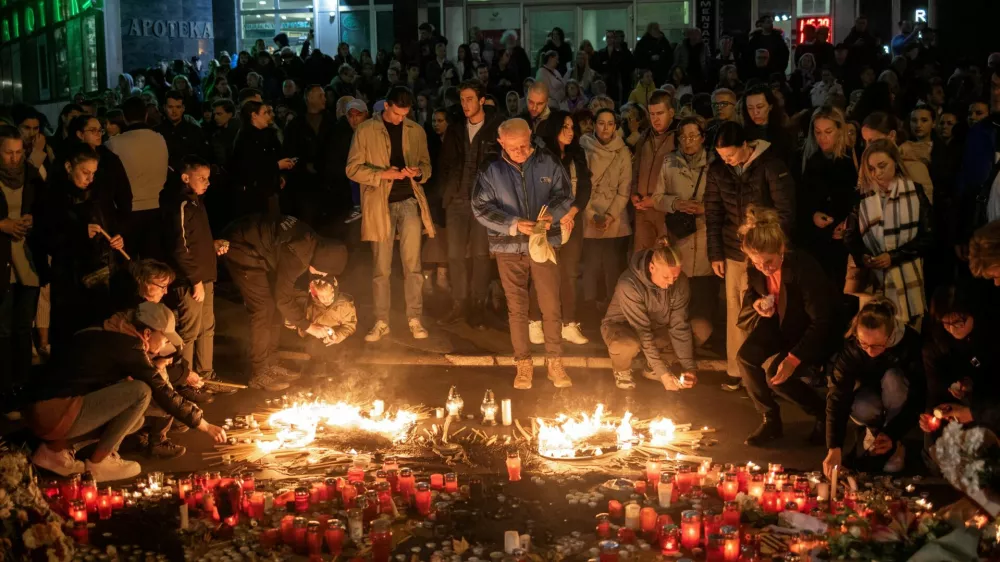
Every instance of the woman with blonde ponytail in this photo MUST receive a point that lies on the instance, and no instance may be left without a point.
(650, 306)
(878, 382)
(787, 310)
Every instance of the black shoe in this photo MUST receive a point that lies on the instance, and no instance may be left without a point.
(477, 315)
(817, 436)
(767, 432)
(456, 316)
(165, 450)
(733, 387)
(195, 395)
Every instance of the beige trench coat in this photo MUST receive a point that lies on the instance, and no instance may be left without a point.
(369, 156)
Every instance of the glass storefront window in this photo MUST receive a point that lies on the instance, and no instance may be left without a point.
(356, 30)
(597, 22)
(492, 21)
(75, 56)
(813, 7)
(91, 71)
(295, 4)
(541, 21)
(385, 31)
(250, 5)
(258, 26)
(297, 27)
(673, 17)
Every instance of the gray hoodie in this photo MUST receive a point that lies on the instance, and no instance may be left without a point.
(646, 307)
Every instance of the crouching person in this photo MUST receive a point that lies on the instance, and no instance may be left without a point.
(651, 298)
(330, 309)
(100, 387)
(877, 381)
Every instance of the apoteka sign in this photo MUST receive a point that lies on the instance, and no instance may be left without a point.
(140, 27)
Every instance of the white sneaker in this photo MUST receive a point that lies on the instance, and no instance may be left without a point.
(535, 333)
(571, 333)
(355, 215)
(112, 468)
(60, 462)
(417, 329)
(378, 331)
(624, 380)
(896, 461)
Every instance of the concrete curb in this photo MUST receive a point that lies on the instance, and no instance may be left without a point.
(453, 360)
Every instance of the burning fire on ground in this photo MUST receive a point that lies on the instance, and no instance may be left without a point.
(296, 427)
(592, 435)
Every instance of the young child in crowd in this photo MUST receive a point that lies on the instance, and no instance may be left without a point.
(332, 309)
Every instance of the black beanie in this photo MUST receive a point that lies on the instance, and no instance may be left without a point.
(330, 256)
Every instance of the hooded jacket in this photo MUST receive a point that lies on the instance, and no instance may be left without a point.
(610, 186)
(646, 307)
(853, 368)
(764, 180)
(187, 235)
(285, 247)
(507, 192)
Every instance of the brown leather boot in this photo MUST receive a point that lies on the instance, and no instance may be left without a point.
(557, 374)
(525, 369)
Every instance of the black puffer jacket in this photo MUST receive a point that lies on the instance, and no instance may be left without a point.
(765, 181)
(853, 367)
(460, 159)
(254, 165)
(183, 139)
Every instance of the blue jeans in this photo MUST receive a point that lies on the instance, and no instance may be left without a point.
(17, 312)
(404, 218)
(875, 409)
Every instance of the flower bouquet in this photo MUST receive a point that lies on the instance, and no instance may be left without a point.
(30, 529)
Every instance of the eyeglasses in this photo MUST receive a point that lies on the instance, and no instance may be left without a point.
(957, 323)
(98, 131)
(871, 347)
(158, 286)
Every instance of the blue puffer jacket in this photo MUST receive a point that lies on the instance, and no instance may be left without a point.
(506, 192)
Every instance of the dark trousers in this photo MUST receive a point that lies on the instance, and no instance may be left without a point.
(196, 326)
(516, 272)
(764, 341)
(467, 237)
(17, 311)
(255, 287)
(604, 259)
(142, 240)
(569, 271)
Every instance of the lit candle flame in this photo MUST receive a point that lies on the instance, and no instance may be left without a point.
(297, 425)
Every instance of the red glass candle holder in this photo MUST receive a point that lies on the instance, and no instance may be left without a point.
(437, 481)
(715, 548)
(300, 529)
(640, 487)
(104, 505)
(730, 487)
(712, 521)
(603, 528)
(422, 498)
(78, 511)
(771, 500)
(690, 529)
(451, 482)
(731, 514)
(682, 481)
(731, 543)
(616, 510)
(314, 539)
(248, 482)
(118, 499)
(347, 494)
(608, 551)
(647, 520)
(334, 537)
(755, 487)
(626, 535)
(653, 471)
(70, 488)
(407, 482)
(381, 536)
(392, 477)
(670, 540)
(80, 533)
(288, 530)
(301, 499)
(513, 467)
(257, 505)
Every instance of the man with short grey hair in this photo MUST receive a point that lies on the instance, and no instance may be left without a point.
(537, 105)
(508, 199)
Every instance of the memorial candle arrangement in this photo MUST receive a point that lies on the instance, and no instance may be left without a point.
(690, 529)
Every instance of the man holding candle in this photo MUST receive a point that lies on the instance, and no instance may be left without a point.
(100, 388)
(510, 198)
(651, 297)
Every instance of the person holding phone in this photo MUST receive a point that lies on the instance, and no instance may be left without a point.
(256, 162)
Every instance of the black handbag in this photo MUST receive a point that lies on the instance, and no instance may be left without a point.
(681, 225)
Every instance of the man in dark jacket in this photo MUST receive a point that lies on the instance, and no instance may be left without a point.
(614, 64)
(745, 173)
(257, 163)
(100, 388)
(346, 193)
(183, 137)
(307, 138)
(21, 273)
(266, 256)
(766, 37)
(654, 51)
(557, 42)
(472, 143)
(191, 251)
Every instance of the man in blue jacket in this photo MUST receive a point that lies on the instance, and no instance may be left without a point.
(507, 200)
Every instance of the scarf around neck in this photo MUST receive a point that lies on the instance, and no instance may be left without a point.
(13, 178)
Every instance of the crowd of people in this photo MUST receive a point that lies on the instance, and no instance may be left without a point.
(856, 195)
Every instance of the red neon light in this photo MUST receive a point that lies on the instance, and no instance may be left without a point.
(825, 21)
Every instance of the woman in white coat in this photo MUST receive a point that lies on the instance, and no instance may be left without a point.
(680, 191)
(547, 73)
(606, 225)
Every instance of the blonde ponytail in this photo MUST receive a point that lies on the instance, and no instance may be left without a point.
(664, 254)
(761, 231)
